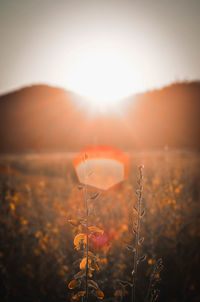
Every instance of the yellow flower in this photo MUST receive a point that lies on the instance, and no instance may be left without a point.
(72, 284)
(80, 238)
(83, 263)
(100, 294)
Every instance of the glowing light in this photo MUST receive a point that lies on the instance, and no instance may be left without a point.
(104, 77)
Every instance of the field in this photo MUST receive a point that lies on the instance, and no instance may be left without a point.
(42, 210)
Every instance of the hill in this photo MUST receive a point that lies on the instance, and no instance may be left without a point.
(43, 118)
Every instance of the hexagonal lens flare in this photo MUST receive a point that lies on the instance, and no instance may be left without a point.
(101, 166)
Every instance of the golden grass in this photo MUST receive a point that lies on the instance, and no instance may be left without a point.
(39, 194)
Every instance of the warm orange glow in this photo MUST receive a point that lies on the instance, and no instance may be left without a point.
(104, 77)
(101, 166)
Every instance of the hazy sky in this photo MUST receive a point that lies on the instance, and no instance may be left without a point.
(40, 40)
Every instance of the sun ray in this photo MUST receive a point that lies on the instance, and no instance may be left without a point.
(103, 77)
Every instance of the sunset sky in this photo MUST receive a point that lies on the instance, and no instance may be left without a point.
(146, 43)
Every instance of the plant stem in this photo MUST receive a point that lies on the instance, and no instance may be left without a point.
(87, 244)
(87, 239)
(139, 201)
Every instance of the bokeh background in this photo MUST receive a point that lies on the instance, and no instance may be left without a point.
(45, 123)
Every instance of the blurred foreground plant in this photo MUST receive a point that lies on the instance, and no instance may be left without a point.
(139, 213)
(89, 261)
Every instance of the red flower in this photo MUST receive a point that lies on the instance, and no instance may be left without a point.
(100, 241)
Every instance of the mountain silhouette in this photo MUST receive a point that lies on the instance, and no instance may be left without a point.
(43, 118)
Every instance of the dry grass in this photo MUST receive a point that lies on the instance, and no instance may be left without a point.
(39, 194)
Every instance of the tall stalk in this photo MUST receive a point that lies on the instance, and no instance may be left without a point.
(87, 242)
(81, 241)
(137, 233)
(87, 239)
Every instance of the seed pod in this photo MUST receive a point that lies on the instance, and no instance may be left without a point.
(142, 258)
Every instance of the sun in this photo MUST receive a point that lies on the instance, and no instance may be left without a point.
(104, 77)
